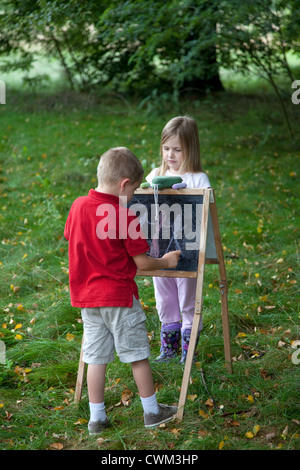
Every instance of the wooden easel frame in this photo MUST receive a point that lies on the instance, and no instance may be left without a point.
(209, 205)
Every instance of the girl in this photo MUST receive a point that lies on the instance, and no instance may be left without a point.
(175, 297)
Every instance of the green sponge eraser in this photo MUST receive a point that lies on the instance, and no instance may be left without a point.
(145, 185)
(166, 181)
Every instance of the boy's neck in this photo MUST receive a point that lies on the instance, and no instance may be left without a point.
(107, 189)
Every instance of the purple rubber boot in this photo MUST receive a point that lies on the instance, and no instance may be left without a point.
(170, 342)
(185, 341)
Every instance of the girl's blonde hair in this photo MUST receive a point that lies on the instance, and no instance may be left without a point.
(186, 129)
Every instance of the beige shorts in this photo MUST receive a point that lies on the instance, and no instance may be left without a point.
(110, 329)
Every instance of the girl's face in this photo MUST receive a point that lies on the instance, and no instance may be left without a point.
(172, 154)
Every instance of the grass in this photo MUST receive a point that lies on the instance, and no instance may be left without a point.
(49, 151)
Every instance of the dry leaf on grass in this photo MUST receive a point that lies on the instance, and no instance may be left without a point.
(57, 446)
(126, 395)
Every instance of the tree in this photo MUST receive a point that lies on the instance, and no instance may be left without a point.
(152, 47)
(135, 45)
(171, 45)
(256, 36)
(63, 29)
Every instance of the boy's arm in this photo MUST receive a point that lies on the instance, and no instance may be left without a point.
(147, 263)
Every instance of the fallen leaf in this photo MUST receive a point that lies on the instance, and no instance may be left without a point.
(192, 397)
(70, 337)
(232, 422)
(57, 446)
(249, 435)
(264, 374)
(271, 435)
(209, 402)
(126, 395)
(22, 372)
(256, 429)
(170, 445)
(81, 421)
(203, 414)
(14, 288)
(285, 432)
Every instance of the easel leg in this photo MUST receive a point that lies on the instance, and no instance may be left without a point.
(198, 306)
(223, 288)
(225, 323)
(80, 376)
(188, 366)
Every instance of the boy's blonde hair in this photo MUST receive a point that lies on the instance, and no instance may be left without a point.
(186, 129)
(119, 163)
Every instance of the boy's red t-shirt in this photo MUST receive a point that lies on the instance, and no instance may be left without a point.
(101, 268)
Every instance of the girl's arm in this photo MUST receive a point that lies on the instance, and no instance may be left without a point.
(147, 263)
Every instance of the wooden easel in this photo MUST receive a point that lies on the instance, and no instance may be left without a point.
(209, 206)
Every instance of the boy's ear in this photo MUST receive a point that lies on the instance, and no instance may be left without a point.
(124, 183)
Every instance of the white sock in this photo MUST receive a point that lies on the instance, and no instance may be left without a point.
(150, 404)
(97, 411)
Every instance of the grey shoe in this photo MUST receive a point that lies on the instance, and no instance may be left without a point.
(95, 427)
(166, 413)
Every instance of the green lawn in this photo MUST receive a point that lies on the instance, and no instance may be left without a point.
(49, 151)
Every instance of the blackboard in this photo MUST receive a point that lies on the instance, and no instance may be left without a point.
(174, 224)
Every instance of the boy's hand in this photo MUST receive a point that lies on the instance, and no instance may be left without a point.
(172, 259)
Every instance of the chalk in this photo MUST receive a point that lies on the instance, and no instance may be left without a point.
(179, 186)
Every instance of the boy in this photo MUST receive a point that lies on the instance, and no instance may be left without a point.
(103, 259)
